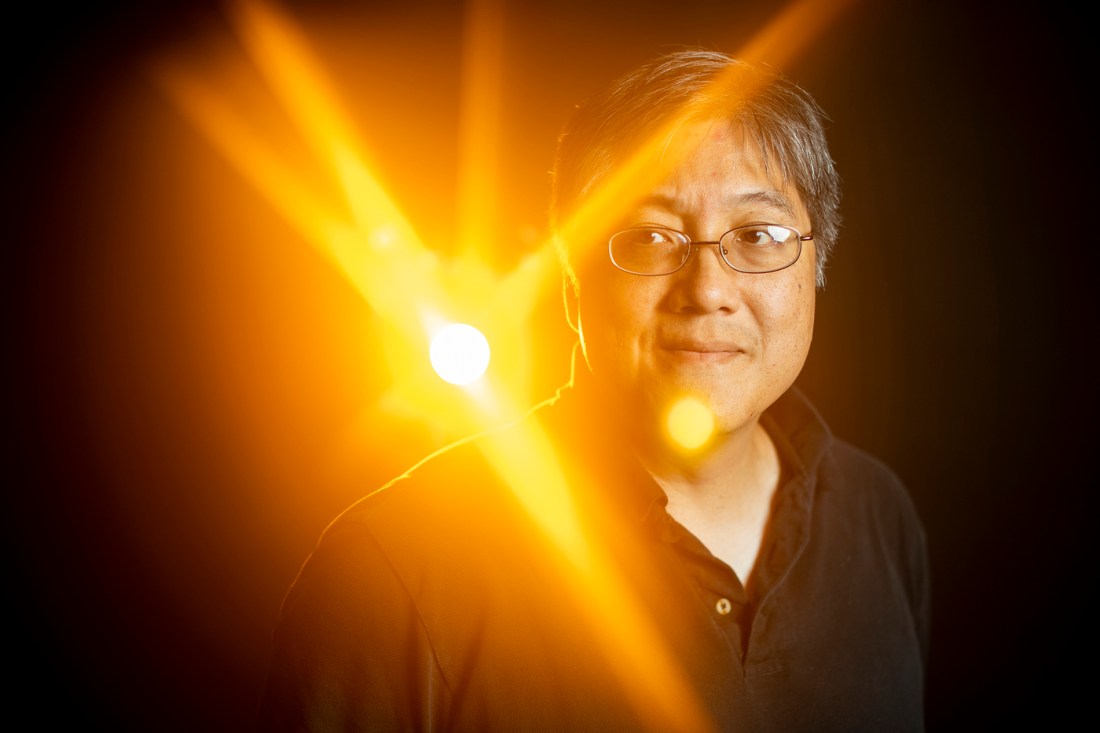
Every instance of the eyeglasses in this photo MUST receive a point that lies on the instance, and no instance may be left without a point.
(756, 249)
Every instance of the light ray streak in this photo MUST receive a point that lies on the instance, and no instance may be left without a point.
(479, 125)
(285, 60)
(632, 644)
(794, 28)
(369, 265)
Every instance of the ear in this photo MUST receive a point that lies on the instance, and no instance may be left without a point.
(570, 297)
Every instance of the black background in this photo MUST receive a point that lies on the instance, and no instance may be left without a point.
(954, 339)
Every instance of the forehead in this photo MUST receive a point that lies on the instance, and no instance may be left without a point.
(719, 166)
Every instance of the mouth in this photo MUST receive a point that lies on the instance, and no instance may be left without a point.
(701, 351)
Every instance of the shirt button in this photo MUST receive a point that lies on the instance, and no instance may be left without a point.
(723, 606)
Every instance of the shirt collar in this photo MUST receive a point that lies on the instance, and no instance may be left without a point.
(799, 431)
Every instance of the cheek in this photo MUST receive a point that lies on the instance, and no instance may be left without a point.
(788, 315)
(615, 314)
(803, 332)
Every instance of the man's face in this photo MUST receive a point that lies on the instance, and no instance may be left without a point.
(735, 341)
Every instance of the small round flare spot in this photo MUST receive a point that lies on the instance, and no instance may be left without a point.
(690, 423)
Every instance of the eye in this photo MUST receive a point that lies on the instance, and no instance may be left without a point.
(648, 250)
(645, 237)
(764, 235)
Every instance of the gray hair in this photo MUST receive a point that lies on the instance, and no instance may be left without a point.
(783, 119)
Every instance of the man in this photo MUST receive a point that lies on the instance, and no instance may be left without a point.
(756, 575)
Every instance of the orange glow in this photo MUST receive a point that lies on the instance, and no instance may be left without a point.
(415, 291)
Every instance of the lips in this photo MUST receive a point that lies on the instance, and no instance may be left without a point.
(701, 352)
(701, 346)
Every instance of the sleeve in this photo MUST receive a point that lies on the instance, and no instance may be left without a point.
(350, 650)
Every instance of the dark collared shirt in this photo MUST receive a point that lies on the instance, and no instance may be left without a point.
(442, 603)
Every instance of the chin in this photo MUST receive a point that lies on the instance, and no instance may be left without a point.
(731, 410)
(730, 420)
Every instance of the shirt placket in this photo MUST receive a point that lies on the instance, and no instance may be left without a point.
(717, 586)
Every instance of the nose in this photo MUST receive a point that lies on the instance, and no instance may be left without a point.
(705, 284)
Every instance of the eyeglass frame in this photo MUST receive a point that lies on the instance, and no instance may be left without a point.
(690, 243)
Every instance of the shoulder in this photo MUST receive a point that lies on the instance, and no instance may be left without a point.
(450, 478)
(440, 517)
(863, 499)
(465, 487)
(857, 470)
(847, 481)
(860, 479)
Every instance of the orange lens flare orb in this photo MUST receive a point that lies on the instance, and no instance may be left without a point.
(459, 354)
(690, 423)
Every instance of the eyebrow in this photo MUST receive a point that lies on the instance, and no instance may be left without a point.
(764, 197)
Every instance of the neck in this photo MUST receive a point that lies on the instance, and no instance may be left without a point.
(736, 462)
(724, 496)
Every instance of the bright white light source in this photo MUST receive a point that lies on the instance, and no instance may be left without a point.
(459, 353)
